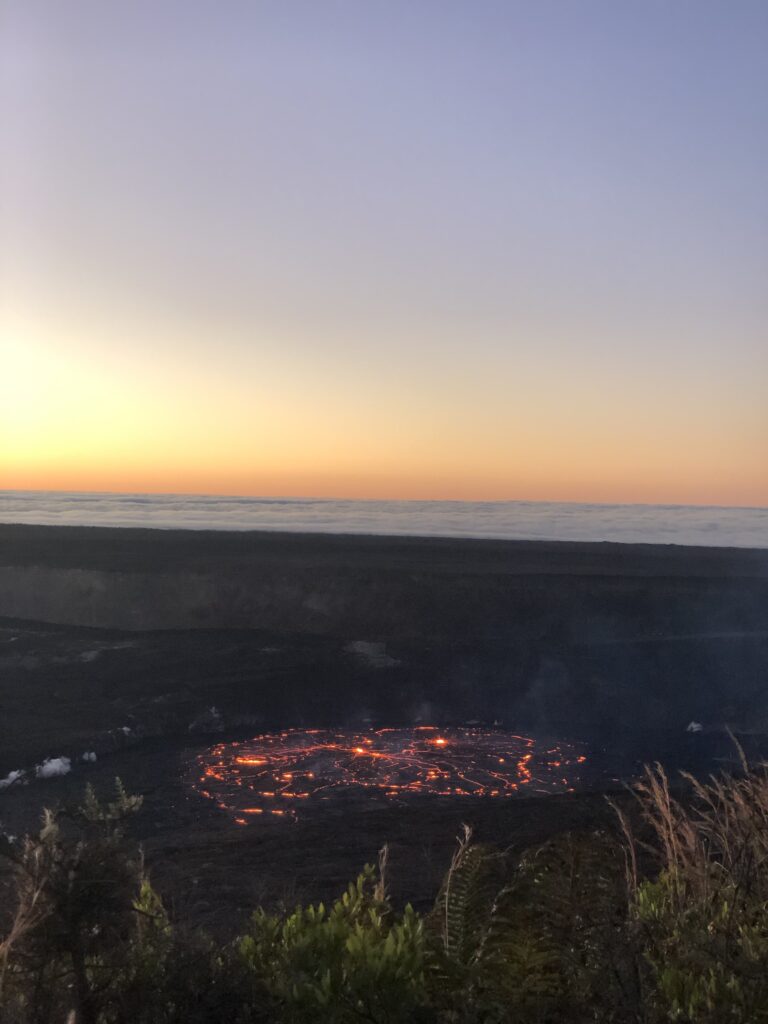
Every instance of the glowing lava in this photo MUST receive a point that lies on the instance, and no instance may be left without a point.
(275, 773)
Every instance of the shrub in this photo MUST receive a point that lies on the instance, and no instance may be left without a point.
(357, 960)
(75, 884)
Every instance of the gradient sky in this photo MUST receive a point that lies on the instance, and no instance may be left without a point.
(386, 248)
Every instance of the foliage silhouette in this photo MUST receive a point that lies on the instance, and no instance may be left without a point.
(665, 922)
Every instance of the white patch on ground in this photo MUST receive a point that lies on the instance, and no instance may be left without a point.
(11, 777)
(89, 655)
(694, 727)
(53, 767)
(89, 755)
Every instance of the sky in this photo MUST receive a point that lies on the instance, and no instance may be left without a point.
(386, 249)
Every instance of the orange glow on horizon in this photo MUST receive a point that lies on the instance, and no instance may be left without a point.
(72, 422)
(745, 496)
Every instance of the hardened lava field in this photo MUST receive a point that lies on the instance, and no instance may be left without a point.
(291, 772)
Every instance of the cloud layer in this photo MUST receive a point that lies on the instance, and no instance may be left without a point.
(522, 520)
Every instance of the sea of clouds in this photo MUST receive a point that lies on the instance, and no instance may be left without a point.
(523, 520)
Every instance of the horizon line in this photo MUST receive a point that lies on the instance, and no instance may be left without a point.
(335, 498)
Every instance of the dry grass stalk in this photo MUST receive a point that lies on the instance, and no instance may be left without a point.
(719, 835)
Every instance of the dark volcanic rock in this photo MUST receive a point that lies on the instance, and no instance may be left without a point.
(121, 641)
(378, 588)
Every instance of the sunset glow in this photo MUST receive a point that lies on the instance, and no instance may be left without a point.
(397, 252)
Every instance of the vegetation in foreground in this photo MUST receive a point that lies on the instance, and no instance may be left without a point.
(668, 925)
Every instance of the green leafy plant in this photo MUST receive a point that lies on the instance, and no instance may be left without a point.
(356, 960)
